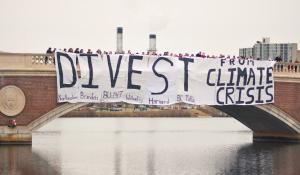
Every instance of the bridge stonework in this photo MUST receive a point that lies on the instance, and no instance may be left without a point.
(287, 98)
(40, 94)
(278, 121)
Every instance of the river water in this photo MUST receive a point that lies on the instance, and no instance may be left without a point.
(150, 146)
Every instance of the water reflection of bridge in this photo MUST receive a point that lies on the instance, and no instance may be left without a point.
(38, 82)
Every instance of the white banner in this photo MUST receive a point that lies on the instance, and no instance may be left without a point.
(67, 78)
(89, 89)
(163, 80)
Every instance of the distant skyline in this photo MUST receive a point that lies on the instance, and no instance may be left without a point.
(213, 26)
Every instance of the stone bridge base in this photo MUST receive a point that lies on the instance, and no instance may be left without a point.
(18, 135)
(275, 137)
(20, 139)
(23, 136)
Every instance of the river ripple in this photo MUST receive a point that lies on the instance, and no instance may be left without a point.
(151, 146)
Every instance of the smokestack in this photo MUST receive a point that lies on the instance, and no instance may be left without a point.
(119, 40)
(152, 43)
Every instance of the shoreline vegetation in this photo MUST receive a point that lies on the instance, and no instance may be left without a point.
(91, 111)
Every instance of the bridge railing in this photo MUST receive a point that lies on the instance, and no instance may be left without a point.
(41, 59)
(287, 67)
(45, 62)
(26, 61)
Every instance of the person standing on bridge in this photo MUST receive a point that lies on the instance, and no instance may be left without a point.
(49, 51)
(99, 52)
(89, 51)
(70, 50)
(76, 50)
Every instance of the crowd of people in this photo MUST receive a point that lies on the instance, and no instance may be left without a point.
(179, 55)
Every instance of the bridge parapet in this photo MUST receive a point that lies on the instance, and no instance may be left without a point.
(26, 61)
(39, 61)
(26, 64)
(287, 67)
(42, 59)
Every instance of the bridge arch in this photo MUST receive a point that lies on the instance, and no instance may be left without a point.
(53, 114)
(267, 122)
(37, 79)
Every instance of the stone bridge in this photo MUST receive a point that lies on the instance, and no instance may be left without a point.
(28, 94)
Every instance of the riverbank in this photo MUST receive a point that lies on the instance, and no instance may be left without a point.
(149, 113)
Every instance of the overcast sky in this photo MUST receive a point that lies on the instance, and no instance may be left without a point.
(212, 26)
